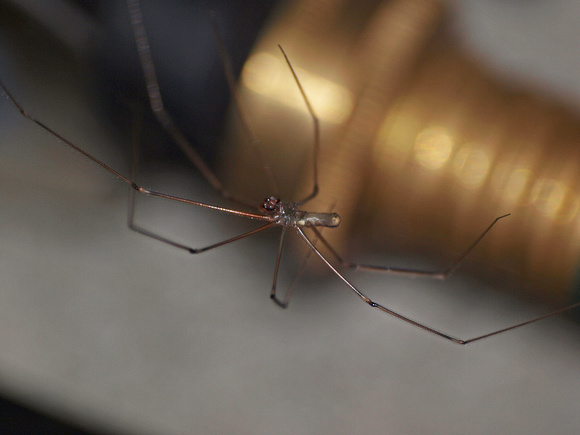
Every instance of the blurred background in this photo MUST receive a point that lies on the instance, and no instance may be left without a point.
(436, 117)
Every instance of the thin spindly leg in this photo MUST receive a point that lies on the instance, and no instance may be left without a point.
(189, 249)
(294, 283)
(158, 107)
(316, 125)
(279, 302)
(438, 274)
(414, 322)
(302, 268)
(298, 275)
(168, 124)
(122, 177)
(131, 208)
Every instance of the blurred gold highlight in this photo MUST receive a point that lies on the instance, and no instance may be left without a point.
(268, 75)
(421, 146)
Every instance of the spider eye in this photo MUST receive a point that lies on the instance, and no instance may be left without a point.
(270, 204)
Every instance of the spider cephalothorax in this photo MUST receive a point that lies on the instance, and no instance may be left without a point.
(270, 205)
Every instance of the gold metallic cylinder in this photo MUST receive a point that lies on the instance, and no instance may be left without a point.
(421, 146)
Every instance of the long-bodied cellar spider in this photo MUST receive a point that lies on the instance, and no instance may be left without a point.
(272, 211)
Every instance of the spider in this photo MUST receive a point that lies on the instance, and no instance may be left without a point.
(272, 211)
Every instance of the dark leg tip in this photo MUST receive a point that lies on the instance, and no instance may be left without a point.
(278, 301)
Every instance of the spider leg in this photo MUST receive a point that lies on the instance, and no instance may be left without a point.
(158, 108)
(131, 207)
(281, 303)
(406, 319)
(294, 283)
(131, 224)
(119, 175)
(438, 274)
(316, 125)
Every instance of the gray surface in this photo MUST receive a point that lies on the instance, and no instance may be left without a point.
(534, 43)
(109, 327)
